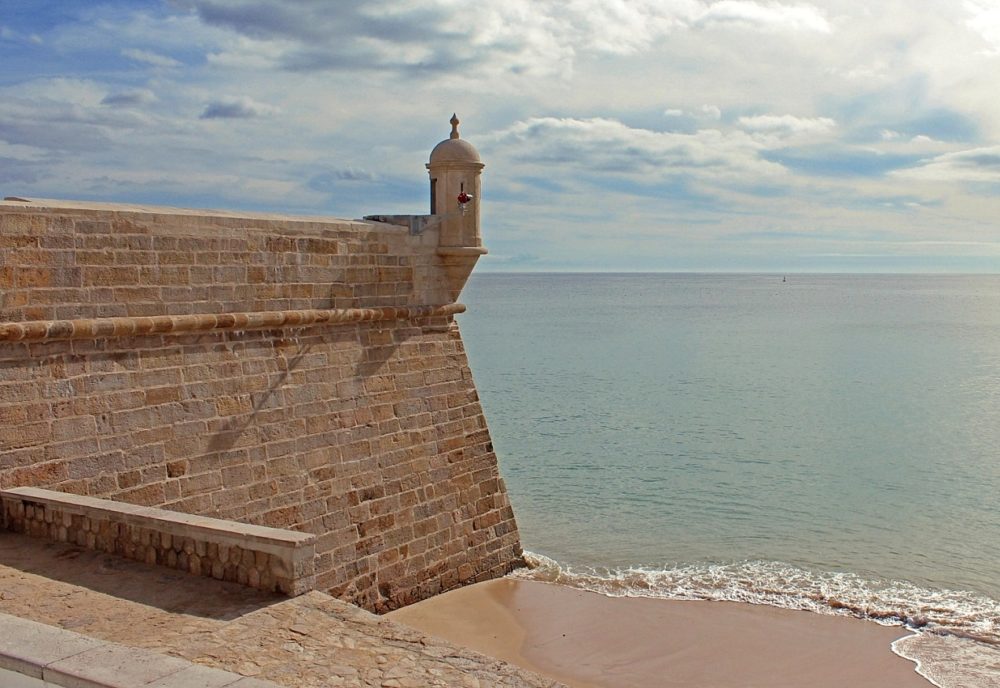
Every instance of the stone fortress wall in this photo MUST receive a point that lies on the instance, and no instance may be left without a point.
(296, 373)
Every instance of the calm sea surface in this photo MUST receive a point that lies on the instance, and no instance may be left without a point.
(829, 443)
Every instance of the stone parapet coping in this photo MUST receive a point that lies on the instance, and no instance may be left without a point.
(14, 204)
(258, 556)
(101, 328)
(462, 251)
(63, 658)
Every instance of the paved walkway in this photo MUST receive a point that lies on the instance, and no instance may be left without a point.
(311, 640)
(35, 655)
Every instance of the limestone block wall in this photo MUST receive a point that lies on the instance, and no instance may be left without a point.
(299, 373)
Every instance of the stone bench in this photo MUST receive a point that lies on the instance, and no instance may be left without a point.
(270, 559)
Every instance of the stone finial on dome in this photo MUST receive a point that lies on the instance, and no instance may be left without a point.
(455, 149)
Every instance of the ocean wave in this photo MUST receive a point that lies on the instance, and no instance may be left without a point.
(957, 641)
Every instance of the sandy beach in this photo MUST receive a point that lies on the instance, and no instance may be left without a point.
(588, 640)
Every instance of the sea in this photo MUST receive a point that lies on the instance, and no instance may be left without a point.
(820, 442)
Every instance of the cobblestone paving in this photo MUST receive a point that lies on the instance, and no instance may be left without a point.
(312, 640)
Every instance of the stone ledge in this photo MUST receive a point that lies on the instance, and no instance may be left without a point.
(64, 658)
(257, 556)
(462, 251)
(161, 213)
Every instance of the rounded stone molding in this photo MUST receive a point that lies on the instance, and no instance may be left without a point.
(102, 328)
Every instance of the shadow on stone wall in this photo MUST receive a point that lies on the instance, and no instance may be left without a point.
(226, 439)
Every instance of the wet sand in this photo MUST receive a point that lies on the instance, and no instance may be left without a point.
(588, 640)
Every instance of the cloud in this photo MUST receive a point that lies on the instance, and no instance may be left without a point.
(140, 96)
(150, 58)
(21, 171)
(430, 37)
(242, 107)
(833, 160)
(786, 125)
(326, 182)
(81, 93)
(517, 37)
(59, 133)
(63, 115)
(974, 165)
(609, 146)
(944, 124)
(711, 111)
(985, 20)
(8, 34)
(767, 16)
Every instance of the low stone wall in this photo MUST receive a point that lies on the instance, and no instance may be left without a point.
(268, 559)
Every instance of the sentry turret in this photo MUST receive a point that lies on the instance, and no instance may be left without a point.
(455, 170)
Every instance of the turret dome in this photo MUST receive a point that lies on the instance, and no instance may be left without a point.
(454, 149)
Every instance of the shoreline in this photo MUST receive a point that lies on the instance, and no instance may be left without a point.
(589, 640)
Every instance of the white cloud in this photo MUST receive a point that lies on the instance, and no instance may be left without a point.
(975, 165)
(786, 125)
(889, 135)
(433, 37)
(68, 91)
(866, 75)
(150, 58)
(673, 112)
(519, 37)
(767, 16)
(245, 53)
(607, 146)
(73, 118)
(985, 20)
(711, 111)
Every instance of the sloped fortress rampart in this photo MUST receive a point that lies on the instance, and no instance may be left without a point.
(295, 373)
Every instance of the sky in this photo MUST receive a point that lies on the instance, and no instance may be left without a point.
(618, 135)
